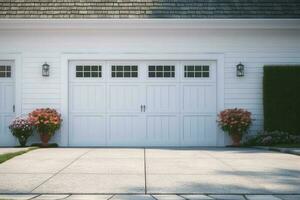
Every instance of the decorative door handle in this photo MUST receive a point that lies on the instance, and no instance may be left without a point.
(141, 108)
(144, 108)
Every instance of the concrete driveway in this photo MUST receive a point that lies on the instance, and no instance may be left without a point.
(151, 171)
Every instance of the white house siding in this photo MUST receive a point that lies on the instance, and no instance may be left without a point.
(254, 48)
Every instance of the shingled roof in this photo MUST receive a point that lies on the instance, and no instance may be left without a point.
(92, 9)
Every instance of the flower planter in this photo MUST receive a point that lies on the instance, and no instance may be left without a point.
(236, 139)
(45, 137)
(22, 141)
(46, 121)
(235, 122)
(22, 129)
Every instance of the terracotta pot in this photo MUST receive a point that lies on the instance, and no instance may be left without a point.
(236, 139)
(45, 137)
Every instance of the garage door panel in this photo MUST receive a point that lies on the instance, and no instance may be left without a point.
(7, 101)
(199, 98)
(162, 98)
(7, 97)
(124, 98)
(6, 138)
(199, 130)
(151, 108)
(88, 98)
(88, 130)
(163, 130)
(126, 130)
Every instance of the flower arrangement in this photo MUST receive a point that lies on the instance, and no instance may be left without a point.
(235, 122)
(22, 129)
(46, 121)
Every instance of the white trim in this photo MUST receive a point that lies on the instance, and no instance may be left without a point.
(123, 24)
(65, 58)
(17, 59)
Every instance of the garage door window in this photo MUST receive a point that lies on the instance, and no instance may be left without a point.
(86, 71)
(126, 71)
(196, 71)
(161, 71)
(5, 71)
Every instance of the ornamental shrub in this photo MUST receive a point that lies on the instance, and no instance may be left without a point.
(45, 120)
(281, 98)
(22, 129)
(269, 138)
(235, 121)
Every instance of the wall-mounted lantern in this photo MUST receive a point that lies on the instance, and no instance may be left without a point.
(240, 70)
(45, 69)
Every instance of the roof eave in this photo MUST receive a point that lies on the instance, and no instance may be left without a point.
(101, 24)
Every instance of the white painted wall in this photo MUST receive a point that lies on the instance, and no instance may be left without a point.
(253, 47)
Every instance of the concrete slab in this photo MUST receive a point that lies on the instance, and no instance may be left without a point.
(107, 166)
(197, 197)
(169, 171)
(277, 184)
(51, 197)
(33, 166)
(132, 197)
(115, 153)
(246, 153)
(272, 166)
(168, 197)
(54, 153)
(295, 151)
(174, 153)
(93, 183)
(227, 197)
(219, 184)
(21, 183)
(4, 150)
(89, 197)
(262, 197)
(185, 166)
(17, 196)
(288, 197)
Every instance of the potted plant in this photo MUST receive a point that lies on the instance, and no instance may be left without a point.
(46, 121)
(22, 129)
(235, 122)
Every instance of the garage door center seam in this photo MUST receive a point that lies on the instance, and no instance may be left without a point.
(61, 169)
(145, 170)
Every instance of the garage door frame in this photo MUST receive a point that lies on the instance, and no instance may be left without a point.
(66, 58)
(16, 60)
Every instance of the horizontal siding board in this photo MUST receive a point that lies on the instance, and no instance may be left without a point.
(263, 55)
(41, 91)
(265, 60)
(41, 85)
(41, 100)
(41, 79)
(229, 91)
(40, 96)
(244, 96)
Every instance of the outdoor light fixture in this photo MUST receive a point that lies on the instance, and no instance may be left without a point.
(45, 69)
(240, 70)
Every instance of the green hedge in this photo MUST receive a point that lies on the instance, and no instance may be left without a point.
(281, 94)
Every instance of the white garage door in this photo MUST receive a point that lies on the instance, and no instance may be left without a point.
(142, 103)
(7, 99)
